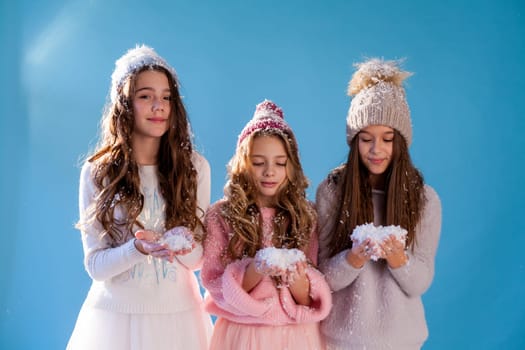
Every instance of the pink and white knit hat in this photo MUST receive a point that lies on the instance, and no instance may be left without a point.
(267, 117)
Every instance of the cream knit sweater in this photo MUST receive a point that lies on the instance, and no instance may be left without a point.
(376, 307)
(125, 280)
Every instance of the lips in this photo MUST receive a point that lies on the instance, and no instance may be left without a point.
(157, 119)
(268, 184)
(375, 161)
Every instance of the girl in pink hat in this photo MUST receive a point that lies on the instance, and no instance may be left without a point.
(260, 251)
(379, 222)
(143, 193)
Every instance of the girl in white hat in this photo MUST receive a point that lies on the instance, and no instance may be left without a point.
(141, 191)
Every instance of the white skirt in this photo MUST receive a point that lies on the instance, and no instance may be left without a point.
(98, 329)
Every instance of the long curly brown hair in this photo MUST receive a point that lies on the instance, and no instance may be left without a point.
(405, 197)
(295, 217)
(116, 173)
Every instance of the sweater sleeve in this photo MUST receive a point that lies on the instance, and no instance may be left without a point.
(338, 272)
(224, 283)
(415, 277)
(319, 291)
(193, 260)
(101, 261)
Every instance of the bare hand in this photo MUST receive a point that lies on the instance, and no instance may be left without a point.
(179, 239)
(393, 250)
(361, 253)
(146, 242)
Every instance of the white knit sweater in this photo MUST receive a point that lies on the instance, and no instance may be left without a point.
(125, 280)
(376, 307)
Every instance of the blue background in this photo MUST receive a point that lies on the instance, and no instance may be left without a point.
(467, 101)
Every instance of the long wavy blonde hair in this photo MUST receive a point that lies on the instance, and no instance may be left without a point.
(295, 217)
(115, 171)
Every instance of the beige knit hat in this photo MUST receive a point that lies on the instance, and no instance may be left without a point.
(378, 98)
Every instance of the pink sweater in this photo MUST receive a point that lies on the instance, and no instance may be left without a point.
(265, 304)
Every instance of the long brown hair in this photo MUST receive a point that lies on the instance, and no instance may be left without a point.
(115, 172)
(295, 217)
(405, 198)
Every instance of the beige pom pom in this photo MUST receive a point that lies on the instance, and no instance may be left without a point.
(374, 71)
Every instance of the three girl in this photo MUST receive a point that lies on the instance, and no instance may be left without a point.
(143, 182)
(377, 304)
(264, 216)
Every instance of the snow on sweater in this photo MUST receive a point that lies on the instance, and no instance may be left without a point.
(127, 281)
(264, 304)
(376, 307)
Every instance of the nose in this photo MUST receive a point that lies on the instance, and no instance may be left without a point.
(269, 171)
(157, 104)
(373, 147)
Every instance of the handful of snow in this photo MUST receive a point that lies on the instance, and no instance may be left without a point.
(377, 234)
(178, 238)
(278, 261)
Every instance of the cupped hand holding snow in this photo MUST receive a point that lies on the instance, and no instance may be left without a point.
(178, 239)
(377, 234)
(148, 243)
(279, 262)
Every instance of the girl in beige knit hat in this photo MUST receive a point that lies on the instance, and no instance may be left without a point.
(379, 276)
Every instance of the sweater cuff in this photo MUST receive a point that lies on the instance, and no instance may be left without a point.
(321, 300)
(235, 295)
(131, 251)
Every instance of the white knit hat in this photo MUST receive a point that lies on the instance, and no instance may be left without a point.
(378, 98)
(267, 116)
(133, 60)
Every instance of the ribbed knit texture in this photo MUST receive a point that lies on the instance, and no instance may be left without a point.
(378, 99)
(381, 104)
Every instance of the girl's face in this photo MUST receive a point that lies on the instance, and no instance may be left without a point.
(268, 167)
(375, 148)
(151, 104)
